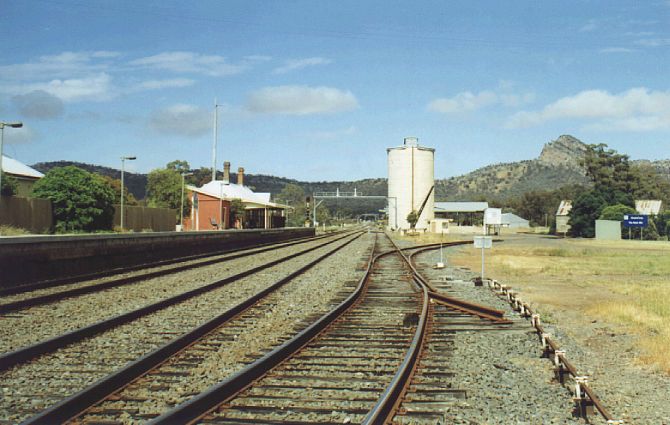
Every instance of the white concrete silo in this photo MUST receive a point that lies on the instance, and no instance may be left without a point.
(410, 179)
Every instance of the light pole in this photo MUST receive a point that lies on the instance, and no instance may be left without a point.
(123, 164)
(2, 136)
(181, 211)
(216, 137)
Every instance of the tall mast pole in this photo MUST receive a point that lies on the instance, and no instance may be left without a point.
(216, 124)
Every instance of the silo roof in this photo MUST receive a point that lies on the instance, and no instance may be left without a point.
(421, 148)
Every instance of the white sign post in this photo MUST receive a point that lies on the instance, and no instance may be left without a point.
(483, 242)
(492, 216)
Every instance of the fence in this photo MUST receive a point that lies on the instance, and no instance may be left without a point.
(143, 218)
(36, 216)
(32, 214)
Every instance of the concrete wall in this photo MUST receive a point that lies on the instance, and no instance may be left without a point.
(144, 218)
(32, 259)
(32, 214)
(608, 230)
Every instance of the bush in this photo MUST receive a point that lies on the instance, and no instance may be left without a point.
(81, 201)
(9, 185)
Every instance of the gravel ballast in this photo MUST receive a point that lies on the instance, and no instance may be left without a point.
(81, 364)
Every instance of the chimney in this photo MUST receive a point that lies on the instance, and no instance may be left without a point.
(226, 172)
(240, 176)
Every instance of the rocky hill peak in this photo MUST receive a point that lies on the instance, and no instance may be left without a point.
(566, 151)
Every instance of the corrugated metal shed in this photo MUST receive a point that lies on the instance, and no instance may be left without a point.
(564, 208)
(514, 221)
(648, 206)
(460, 207)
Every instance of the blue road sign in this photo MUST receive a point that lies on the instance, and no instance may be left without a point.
(638, 220)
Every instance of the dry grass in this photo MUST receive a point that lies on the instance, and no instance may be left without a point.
(12, 231)
(623, 283)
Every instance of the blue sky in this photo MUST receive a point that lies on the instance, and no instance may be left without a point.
(317, 90)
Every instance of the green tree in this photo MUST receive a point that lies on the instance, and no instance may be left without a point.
(662, 222)
(81, 201)
(616, 212)
(9, 185)
(586, 209)
(237, 211)
(611, 173)
(115, 184)
(178, 165)
(412, 219)
(294, 196)
(164, 191)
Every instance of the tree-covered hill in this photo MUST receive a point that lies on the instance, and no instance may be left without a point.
(557, 166)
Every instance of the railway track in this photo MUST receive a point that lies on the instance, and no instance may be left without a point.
(42, 329)
(67, 370)
(344, 368)
(379, 352)
(25, 296)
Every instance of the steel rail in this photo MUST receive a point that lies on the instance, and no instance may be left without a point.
(452, 302)
(78, 403)
(194, 409)
(71, 293)
(25, 354)
(390, 400)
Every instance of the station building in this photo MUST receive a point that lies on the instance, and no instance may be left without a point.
(211, 206)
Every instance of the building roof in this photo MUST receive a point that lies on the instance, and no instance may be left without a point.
(648, 206)
(228, 191)
(564, 208)
(16, 168)
(509, 218)
(461, 206)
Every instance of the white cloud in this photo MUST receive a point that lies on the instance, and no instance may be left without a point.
(637, 109)
(653, 42)
(39, 104)
(462, 102)
(162, 84)
(181, 120)
(93, 88)
(62, 65)
(189, 62)
(468, 101)
(616, 50)
(293, 65)
(591, 25)
(334, 134)
(301, 100)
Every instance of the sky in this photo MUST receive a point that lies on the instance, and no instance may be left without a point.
(317, 90)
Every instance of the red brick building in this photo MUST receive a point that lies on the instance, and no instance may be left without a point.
(211, 208)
